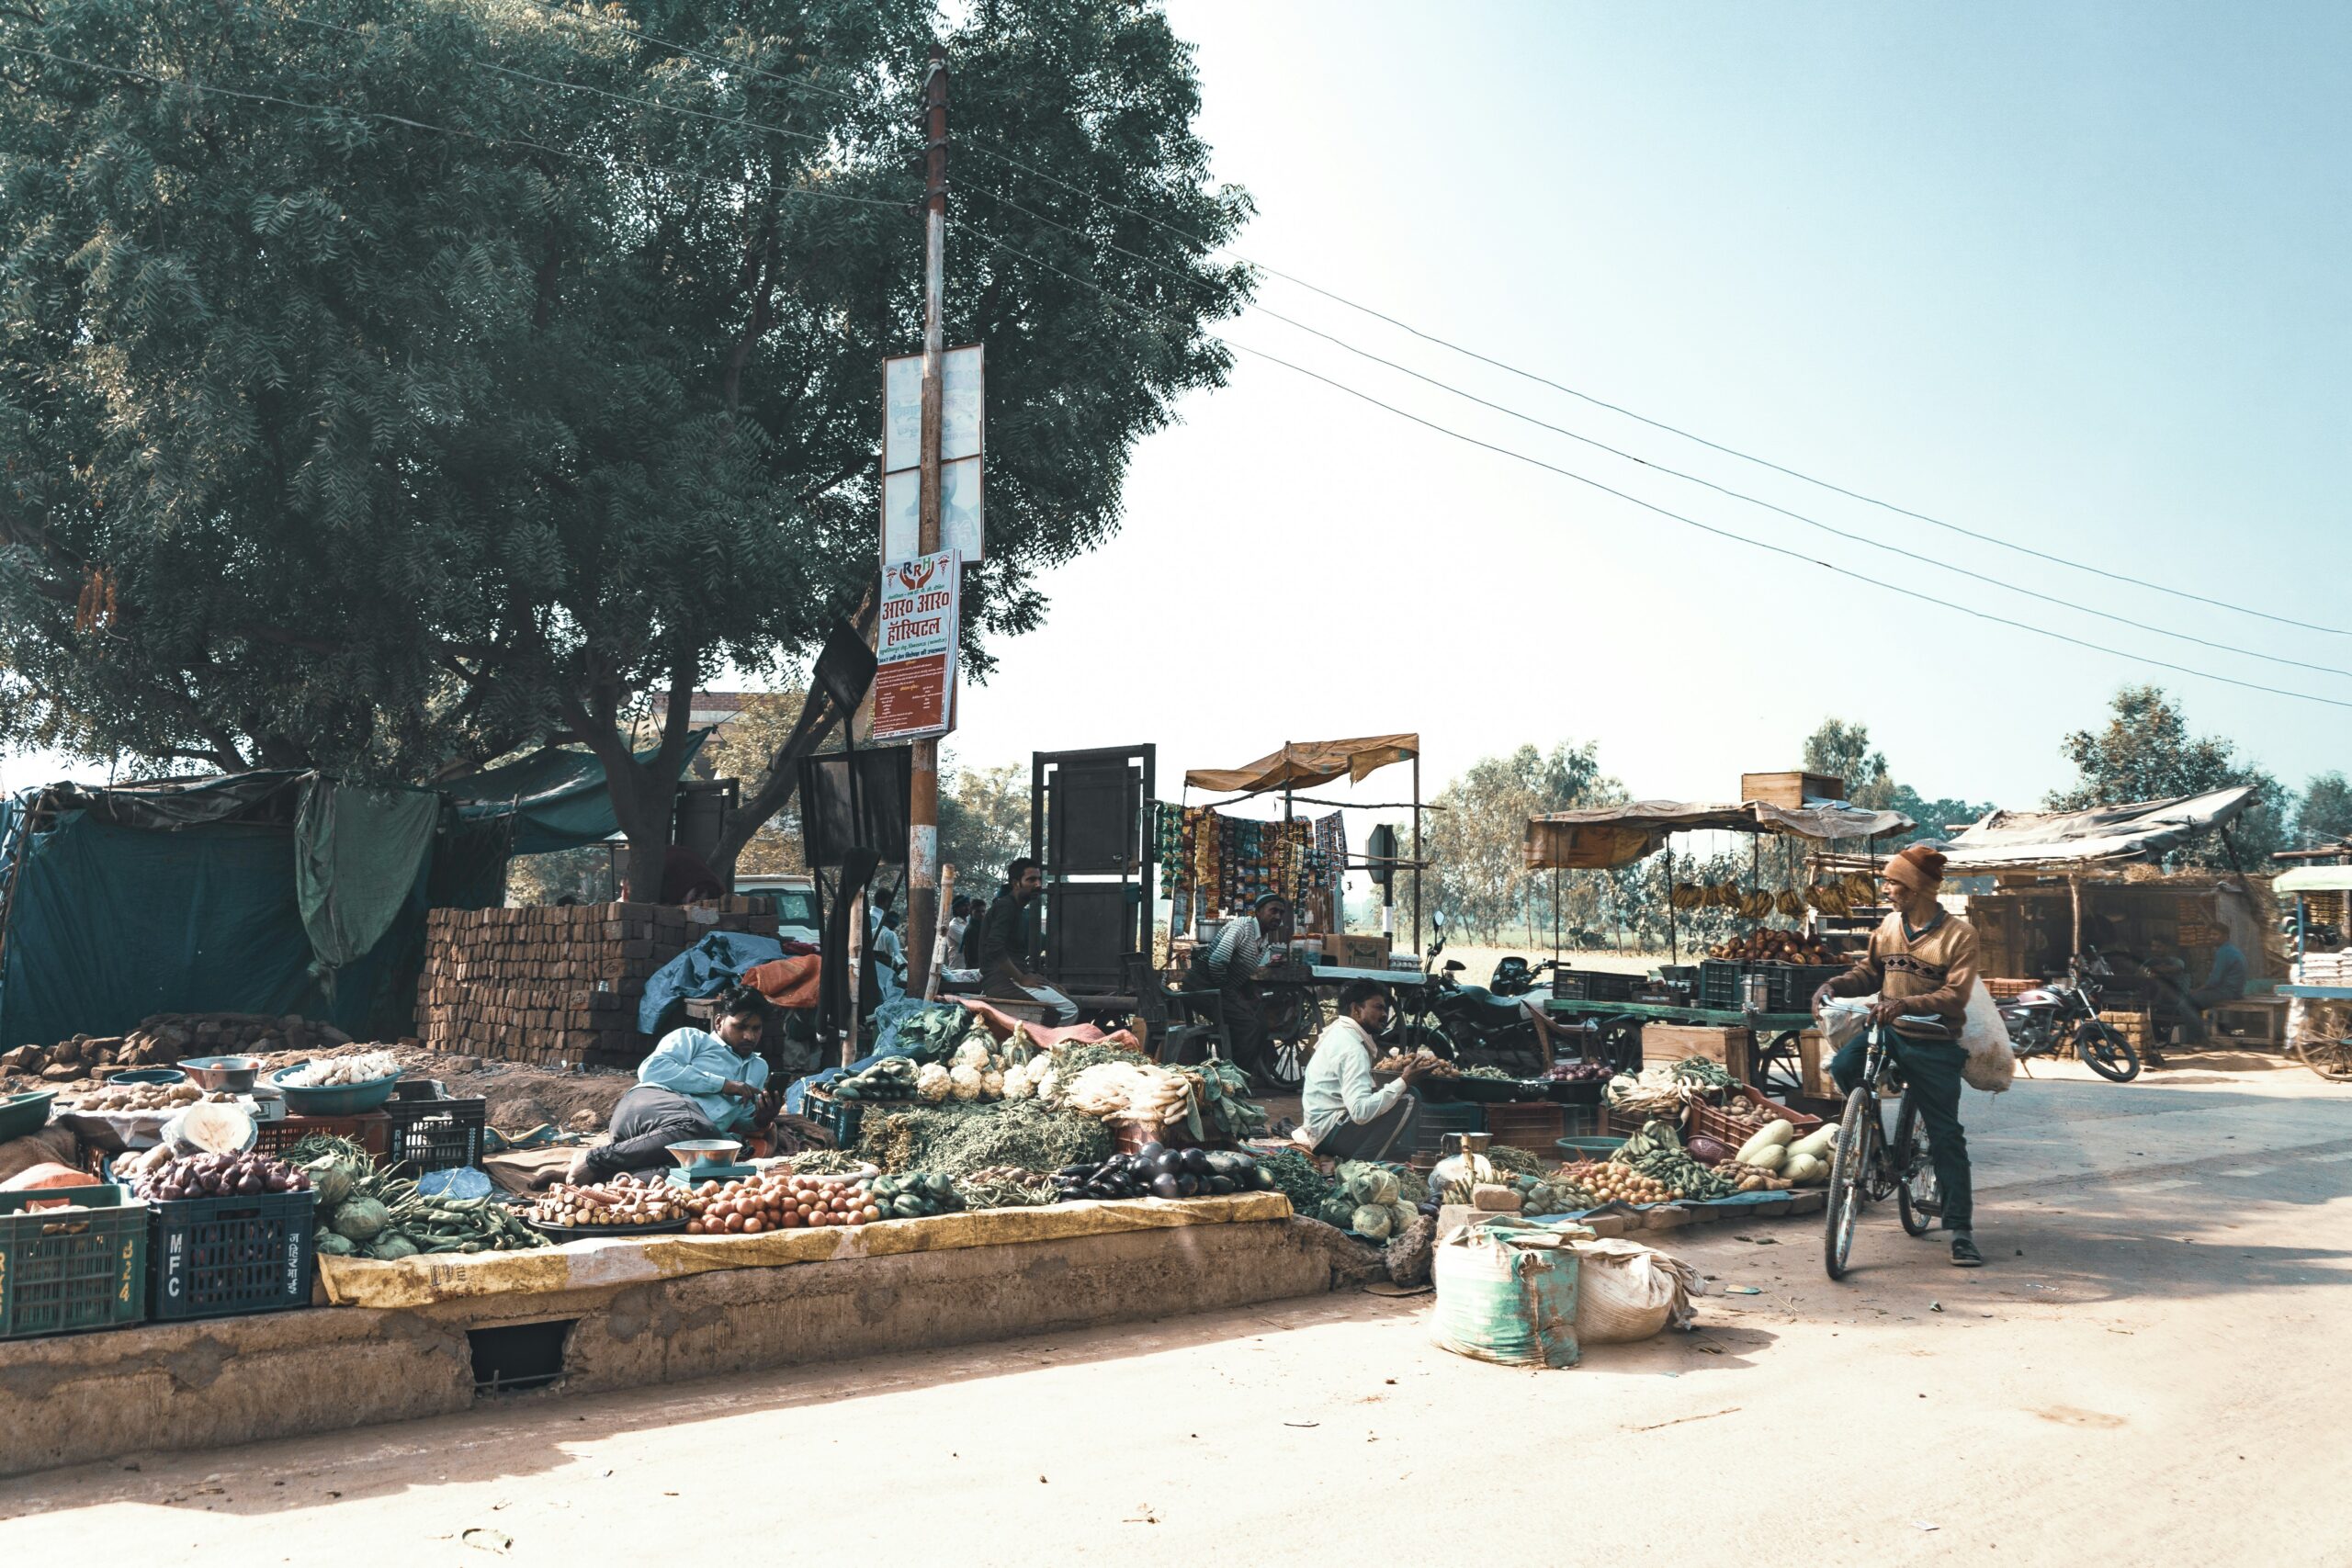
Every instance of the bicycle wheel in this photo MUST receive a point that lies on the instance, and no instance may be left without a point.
(1850, 1162)
(2107, 1052)
(1917, 1201)
(1291, 1029)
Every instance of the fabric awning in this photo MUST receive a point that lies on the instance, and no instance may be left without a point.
(2313, 879)
(1599, 837)
(2022, 841)
(1303, 763)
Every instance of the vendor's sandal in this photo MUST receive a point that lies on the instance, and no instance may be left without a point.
(1964, 1254)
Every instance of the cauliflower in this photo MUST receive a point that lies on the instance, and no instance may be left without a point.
(971, 1053)
(1049, 1087)
(965, 1083)
(993, 1085)
(1019, 1085)
(933, 1083)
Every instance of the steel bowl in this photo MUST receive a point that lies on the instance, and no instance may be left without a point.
(234, 1074)
(695, 1152)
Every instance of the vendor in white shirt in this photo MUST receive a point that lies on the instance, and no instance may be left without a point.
(1348, 1115)
(696, 1084)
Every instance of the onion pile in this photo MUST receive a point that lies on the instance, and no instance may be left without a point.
(1618, 1183)
(218, 1176)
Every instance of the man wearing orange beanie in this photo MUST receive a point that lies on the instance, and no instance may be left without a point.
(1922, 960)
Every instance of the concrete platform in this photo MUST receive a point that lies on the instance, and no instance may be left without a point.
(167, 1387)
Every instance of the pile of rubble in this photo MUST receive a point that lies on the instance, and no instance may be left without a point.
(167, 1039)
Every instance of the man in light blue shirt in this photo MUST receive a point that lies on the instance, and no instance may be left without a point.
(696, 1084)
(1348, 1115)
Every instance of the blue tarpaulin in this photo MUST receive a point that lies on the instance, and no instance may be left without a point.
(708, 966)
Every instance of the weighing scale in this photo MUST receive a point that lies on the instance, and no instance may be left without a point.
(694, 1167)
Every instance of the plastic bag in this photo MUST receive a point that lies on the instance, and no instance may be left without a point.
(1843, 1019)
(1992, 1065)
(1627, 1292)
(1508, 1293)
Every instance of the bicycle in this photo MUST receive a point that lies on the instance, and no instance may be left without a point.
(1865, 1166)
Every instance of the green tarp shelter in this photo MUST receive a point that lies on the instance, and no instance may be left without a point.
(261, 892)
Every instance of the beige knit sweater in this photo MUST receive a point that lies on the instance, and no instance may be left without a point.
(1933, 972)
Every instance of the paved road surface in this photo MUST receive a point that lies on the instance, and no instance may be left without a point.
(2155, 1369)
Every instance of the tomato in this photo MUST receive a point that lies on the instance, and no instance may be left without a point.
(754, 1227)
(734, 1224)
(693, 1228)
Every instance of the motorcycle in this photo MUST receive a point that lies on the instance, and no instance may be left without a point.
(1442, 1015)
(2067, 1011)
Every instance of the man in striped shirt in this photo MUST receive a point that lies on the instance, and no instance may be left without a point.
(1237, 961)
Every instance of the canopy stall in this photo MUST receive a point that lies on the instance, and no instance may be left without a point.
(1302, 765)
(1602, 837)
(2103, 835)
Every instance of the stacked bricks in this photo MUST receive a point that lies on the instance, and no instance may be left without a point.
(551, 983)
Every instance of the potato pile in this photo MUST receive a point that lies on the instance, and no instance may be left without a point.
(1396, 1060)
(136, 1097)
(1621, 1183)
(622, 1203)
(777, 1202)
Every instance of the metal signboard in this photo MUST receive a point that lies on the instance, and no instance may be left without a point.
(962, 397)
(914, 679)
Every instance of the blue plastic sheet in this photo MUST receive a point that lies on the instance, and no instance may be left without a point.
(707, 968)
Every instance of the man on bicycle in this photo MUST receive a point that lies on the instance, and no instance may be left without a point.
(1922, 960)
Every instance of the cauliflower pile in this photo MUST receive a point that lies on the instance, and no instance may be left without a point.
(976, 1073)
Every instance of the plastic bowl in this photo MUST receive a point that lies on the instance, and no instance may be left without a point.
(24, 1113)
(234, 1074)
(150, 1075)
(339, 1100)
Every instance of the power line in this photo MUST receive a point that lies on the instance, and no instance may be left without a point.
(1660, 424)
(746, 122)
(1810, 521)
(1664, 512)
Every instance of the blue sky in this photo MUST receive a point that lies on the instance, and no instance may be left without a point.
(2069, 275)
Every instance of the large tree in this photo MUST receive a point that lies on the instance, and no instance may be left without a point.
(391, 386)
(2146, 752)
(1843, 751)
(1476, 837)
(2325, 813)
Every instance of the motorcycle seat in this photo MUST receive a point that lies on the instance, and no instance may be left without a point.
(1495, 1009)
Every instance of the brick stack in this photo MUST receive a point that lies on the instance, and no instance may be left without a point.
(550, 983)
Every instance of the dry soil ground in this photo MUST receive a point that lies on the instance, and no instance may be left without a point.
(2153, 1370)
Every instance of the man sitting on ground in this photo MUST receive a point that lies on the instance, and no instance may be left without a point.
(1347, 1116)
(696, 1084)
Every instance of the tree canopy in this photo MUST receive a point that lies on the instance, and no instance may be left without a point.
(2145, 752)
(1843, 749)
(388, 386)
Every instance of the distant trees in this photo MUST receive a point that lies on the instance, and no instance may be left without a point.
(2145, 752)
(1843, 751)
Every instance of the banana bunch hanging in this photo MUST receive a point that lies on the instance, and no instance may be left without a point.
(1829, 897)
(1790, 902)
(1686, 896)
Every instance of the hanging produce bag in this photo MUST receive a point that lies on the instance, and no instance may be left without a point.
(1508, 1293)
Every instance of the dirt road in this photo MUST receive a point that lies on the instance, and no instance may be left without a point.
(2152, 1370)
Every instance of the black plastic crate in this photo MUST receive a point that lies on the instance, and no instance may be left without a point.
(1788, 987)
(62, 1270)
(223, 1256)
(1436, 1121)
(1594, 986)
(426, 1136)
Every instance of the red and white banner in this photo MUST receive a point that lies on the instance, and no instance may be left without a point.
(914, 648)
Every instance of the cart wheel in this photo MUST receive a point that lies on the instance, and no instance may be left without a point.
(2331, 1059)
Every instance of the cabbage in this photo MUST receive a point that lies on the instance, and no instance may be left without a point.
(1401, 1214)
(1373, 1187)
(360, 1219)
(331, 1180)
(1371, 1223)
(1336, 1210)
(391, 1246)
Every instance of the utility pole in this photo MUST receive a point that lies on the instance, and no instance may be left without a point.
(923, 795)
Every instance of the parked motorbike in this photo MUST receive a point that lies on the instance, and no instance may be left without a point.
(2041, 1020)
(1439, 1013)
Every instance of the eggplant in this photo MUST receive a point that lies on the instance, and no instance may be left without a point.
(1154, 1150)
(1189, 1185)
(1166, 1186)
(1219, 1186)
(1196, 1161)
